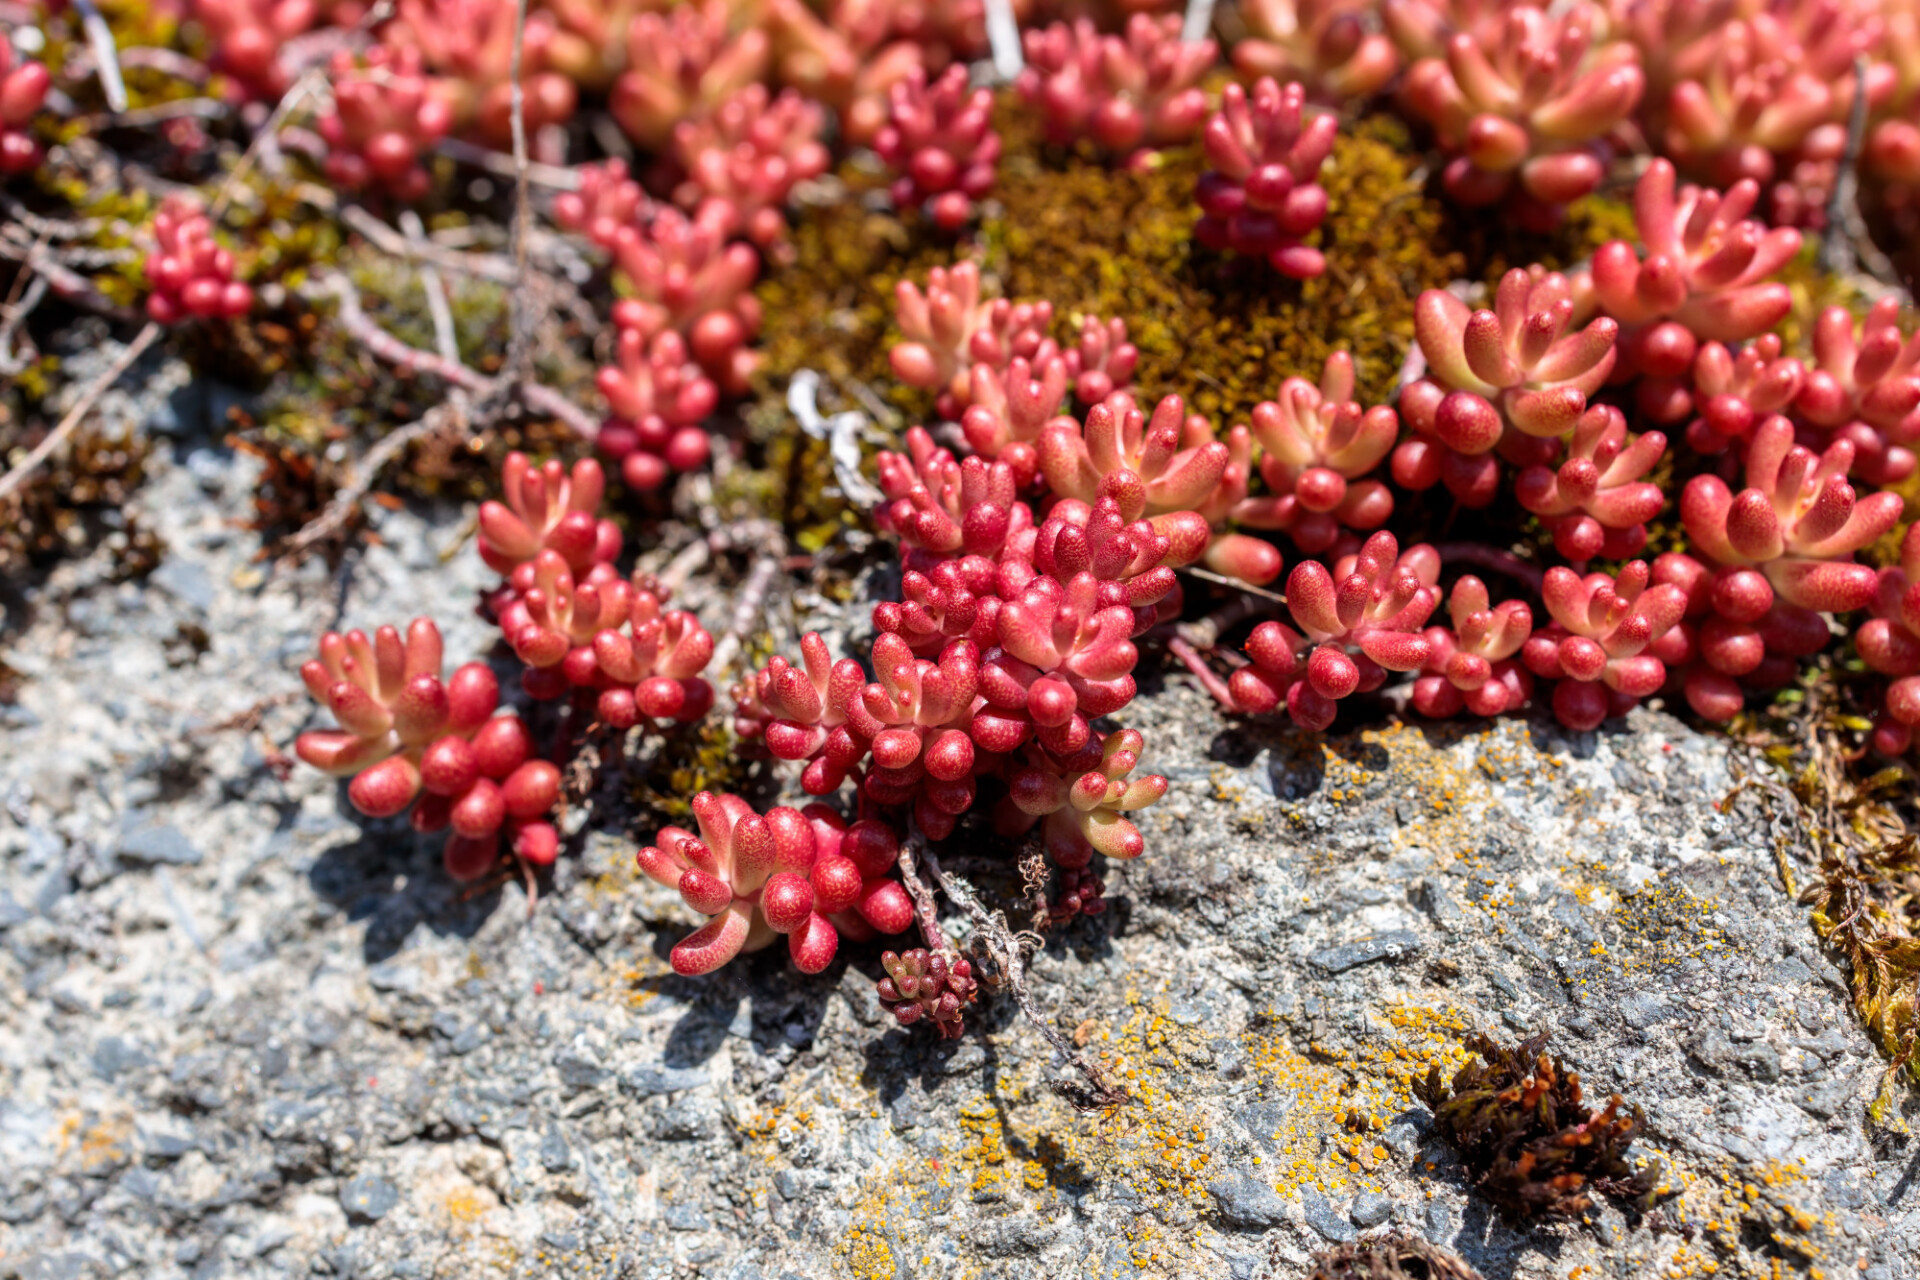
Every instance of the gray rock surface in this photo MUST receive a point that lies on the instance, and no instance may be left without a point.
(249, 1033)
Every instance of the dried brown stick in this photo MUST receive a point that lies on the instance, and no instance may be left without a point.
(926, 912)
(430, 283)
(81, 407)
(753, 597)
(1208, 575)
(1005, 950)
(160, 113)
(356, 321)
(484, 266)
(330, 522)
(106, 55)
(1846, 244)
(19, 307)
(501, 165)
(537, 397)
(543, 399)
(521, 315)
(65, 281)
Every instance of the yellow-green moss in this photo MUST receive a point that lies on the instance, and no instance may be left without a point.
(701, 757)
(831, 308)
(1220, 330)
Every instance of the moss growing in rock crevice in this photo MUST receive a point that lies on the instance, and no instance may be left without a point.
(1099, 240)
(1220, 330)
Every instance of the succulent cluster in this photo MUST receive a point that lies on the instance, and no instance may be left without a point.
(1528, 1141)
(386, 117)
(803, 874)
(940, 144)
(191, 274)
(411, 741)
(579, 626)
(1125, 92)
(1045, 513)
(1261, 198)
(1526, 107)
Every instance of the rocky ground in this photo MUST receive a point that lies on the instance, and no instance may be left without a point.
(246, 1033)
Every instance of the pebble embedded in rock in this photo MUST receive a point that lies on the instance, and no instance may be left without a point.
(1370, 1209)
(1324, 1218)
(158, 842)
(1246, 1201)
(369, 1198)
(1396, 944)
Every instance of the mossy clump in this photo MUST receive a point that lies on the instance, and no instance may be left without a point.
(78, 502)
(705, 756)
(1224, 331)
(794, 481)
(830, 309)
(1394, 1256)
(1866, 908)
(1528, 1141)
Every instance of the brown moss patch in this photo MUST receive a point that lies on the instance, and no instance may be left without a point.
(77, 502)
(831, 308)
(1221, 330)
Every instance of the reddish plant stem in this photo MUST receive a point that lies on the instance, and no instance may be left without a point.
(926, 912)
(539, 398)
(1208, 677)
(1492, 559)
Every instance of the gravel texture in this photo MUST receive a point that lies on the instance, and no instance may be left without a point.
(247, 1033)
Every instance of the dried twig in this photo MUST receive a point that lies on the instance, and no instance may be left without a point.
(62, 278)
(310, 81)
(19, 308)
(746, 610)
(521, 316)
(1208, 575)
(1198, 23)
(545, 400)
(159, 113)
(356, 321)
(1846, 245)
(484, 266)
(105, 54)
(445, 417)
(1005, 950)
(501, 165)
(926, 912)
(167, 62)
(436, 291)
(1003, 38)
(1205, 633)
(539, 398)
(1492, 559)
(685, 563)
(81, 407)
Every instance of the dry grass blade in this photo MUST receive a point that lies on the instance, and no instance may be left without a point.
(17, 477)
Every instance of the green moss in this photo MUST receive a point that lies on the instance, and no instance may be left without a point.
(1097, 240)
(700, 757)
(1221, 330)
(831, 308)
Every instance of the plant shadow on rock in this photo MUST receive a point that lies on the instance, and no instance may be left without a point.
(392, 879)
(783, 1007)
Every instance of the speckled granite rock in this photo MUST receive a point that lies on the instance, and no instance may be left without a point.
(248, 1034)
